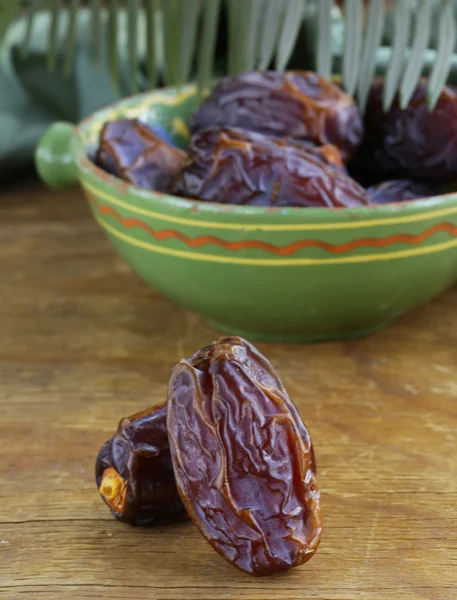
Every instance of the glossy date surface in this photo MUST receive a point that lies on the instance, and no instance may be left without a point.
(411, 143)
(328, 153)
(297, 104)
(233, 166)
(243, 459)
(131, 151)
(399, 190)
(134, 473)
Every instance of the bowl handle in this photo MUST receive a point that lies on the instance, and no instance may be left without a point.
(54, 158)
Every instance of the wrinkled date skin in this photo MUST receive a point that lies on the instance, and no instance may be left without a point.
(243, 459)
(298, 104)
(131, 151)
(134, 473)
(233, 166)
(328, 153)
(411, 143)
(399, 190)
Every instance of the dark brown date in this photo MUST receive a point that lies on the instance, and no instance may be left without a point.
(232, 166)
(130, 150)
(243, 459)
(134, 473)
(298, 104)
(328, 153)
(399, 190)
(411, 143)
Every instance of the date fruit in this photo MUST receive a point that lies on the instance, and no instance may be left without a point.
(328, 153)
(131, 151)
(134, 473)
(399, 190)
(297, 104)
(411, 143)
(243, 459)
(233, 166)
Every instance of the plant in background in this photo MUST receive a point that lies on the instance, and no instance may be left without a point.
(183, 40)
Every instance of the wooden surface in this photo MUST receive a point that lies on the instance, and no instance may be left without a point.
(83, 342)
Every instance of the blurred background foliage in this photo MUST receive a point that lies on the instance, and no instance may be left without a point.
(61, 60)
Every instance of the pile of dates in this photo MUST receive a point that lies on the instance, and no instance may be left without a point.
(229, 450)
(293, 139)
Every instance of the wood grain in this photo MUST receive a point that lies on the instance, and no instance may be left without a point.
(84, 342)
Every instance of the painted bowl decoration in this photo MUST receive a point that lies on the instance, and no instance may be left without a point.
(271, 273)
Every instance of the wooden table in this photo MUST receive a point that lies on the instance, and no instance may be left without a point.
(83, 342)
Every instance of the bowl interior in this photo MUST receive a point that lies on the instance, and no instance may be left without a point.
(168, 110)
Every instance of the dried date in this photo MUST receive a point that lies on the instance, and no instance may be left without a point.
(399, 190)
(134, 473)
(412, 142)
(130, 150)
(230, 165)
(243, 459)
(297, 104)
(328, 153)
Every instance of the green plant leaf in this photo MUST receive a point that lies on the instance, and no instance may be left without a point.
(373, 35)
(132, 41)
(232, 19)
(324, 38)
(113, 51)
(259, 32)
(171, 28)
(96, 30)
(211, 11)
(292, 20)
(445, 50)
(250, 61)
(246, 28)
(402, 26)
(416, 59)
(8, 13)
(69, 57)
(240, 27)
(353, 18)
(268, 33)
(189, 18)
(30, 16)
(53, 33)
(152, 12)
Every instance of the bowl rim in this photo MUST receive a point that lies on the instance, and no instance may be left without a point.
(171, 95)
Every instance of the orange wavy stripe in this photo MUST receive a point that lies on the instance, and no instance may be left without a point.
(166, 234)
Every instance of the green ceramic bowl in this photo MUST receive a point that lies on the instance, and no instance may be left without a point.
(286, 274)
